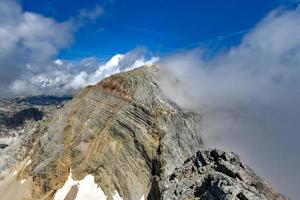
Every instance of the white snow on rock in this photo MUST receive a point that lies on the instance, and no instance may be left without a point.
(62, 192)
(87, 189)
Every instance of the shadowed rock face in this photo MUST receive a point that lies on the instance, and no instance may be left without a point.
(124, 134)
(20, 117)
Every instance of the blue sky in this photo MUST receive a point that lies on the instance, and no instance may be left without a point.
(161, 26)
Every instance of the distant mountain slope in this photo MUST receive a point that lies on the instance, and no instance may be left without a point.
(19, 114)
(19, 109)
(43, 100)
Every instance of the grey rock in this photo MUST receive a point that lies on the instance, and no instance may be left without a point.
(213, 174)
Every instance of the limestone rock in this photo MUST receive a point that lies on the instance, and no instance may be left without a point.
(213, 174)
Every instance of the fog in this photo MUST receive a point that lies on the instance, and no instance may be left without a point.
(249, 97)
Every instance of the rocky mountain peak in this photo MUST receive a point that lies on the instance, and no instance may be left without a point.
(118, 139)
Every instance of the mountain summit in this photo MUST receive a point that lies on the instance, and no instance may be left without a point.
(123, 139)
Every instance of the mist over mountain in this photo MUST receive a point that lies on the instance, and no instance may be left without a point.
(249, 96)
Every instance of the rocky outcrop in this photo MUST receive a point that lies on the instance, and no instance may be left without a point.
(216, 175)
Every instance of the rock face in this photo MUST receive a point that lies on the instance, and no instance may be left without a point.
(214, 174)
(19, 115)
(120, 139)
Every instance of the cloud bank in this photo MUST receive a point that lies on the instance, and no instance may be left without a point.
(30, 42)
(249, 97)
(67, 77)
(27, 37)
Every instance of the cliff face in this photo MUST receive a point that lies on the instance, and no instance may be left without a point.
(118, 139)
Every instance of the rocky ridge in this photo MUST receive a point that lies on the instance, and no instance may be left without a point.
(213, 174)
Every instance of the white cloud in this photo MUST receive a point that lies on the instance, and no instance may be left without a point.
(27, 39)
(67, 77)
(31, 37)
(58, 62)
(29, 43)
(249, 97)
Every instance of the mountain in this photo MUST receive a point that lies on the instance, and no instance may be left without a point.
(19, 114)
(123, 139)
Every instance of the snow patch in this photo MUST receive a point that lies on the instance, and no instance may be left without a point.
(23, 181)
(87, 189)
(62, 192)
(143, 197)
(15, 173)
